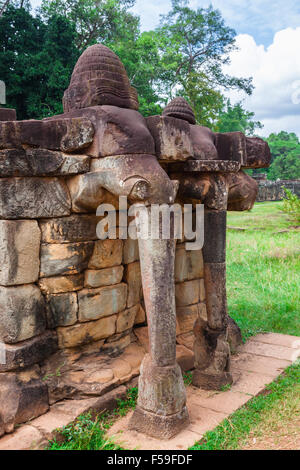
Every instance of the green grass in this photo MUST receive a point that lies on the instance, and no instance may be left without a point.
(89, 432)
(234, 431)
(263, 271)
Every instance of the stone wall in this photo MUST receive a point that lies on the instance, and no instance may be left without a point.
(273, 190)
(70, 302)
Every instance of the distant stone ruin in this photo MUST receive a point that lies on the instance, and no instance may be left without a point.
(73, 322)
(273, 190)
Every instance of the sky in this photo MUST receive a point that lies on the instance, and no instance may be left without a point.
(268, 36)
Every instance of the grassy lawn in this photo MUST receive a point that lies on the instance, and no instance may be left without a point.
(263, 279)
(263, 270)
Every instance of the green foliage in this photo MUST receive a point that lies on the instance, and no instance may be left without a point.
(194, 45)
(234, 118)
(125, 405)
(88, 432)
(187, 378)
(285, 151)
(101, 21)
(225, 388)
(140, 57)
(84, 434)
(36, 61)
(291, 205)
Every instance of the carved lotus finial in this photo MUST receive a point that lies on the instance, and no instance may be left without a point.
(99, 78)
(179, 108)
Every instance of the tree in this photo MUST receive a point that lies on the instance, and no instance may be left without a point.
(285, 151)
(95, 20)
(194, 47)
(17, 3)
(142, 62)
(36, 61)
(235, 118)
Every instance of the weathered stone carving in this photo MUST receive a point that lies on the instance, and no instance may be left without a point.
(179, 108)
(99, 78)
(69, 301)
(217, 182)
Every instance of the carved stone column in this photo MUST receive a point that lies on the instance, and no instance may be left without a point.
(161, 409)
(210, 187)
(212, 352)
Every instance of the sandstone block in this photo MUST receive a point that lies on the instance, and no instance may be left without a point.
(172, 137)
(60, 284)
(187, 340)
(201, 290)
(67, 135)
(103, 277)
(106, 253)
(83, 333)
(7, 114)
(140, 316)
(203, 141)
(19, 252)
(22, 313)
(118, 131)
(35, 197)
(66, 258)
(134, 355)
(25, 438)
(258, 153)
(101, 376)
(101, 302)
(39, 162)
(142, 335)
(186, 317)
(87, 193)
(23, 396)
(63, 309)
(231, 146)
(188, 264)
(184, 358)
(29, 352)
(115, 345)
(187, 293)
(130, 251)
(202, 311)
(133, 278)
(75, 228)
(126, 318)
(120, 368)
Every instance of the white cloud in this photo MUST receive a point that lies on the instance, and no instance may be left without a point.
(276, 77)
